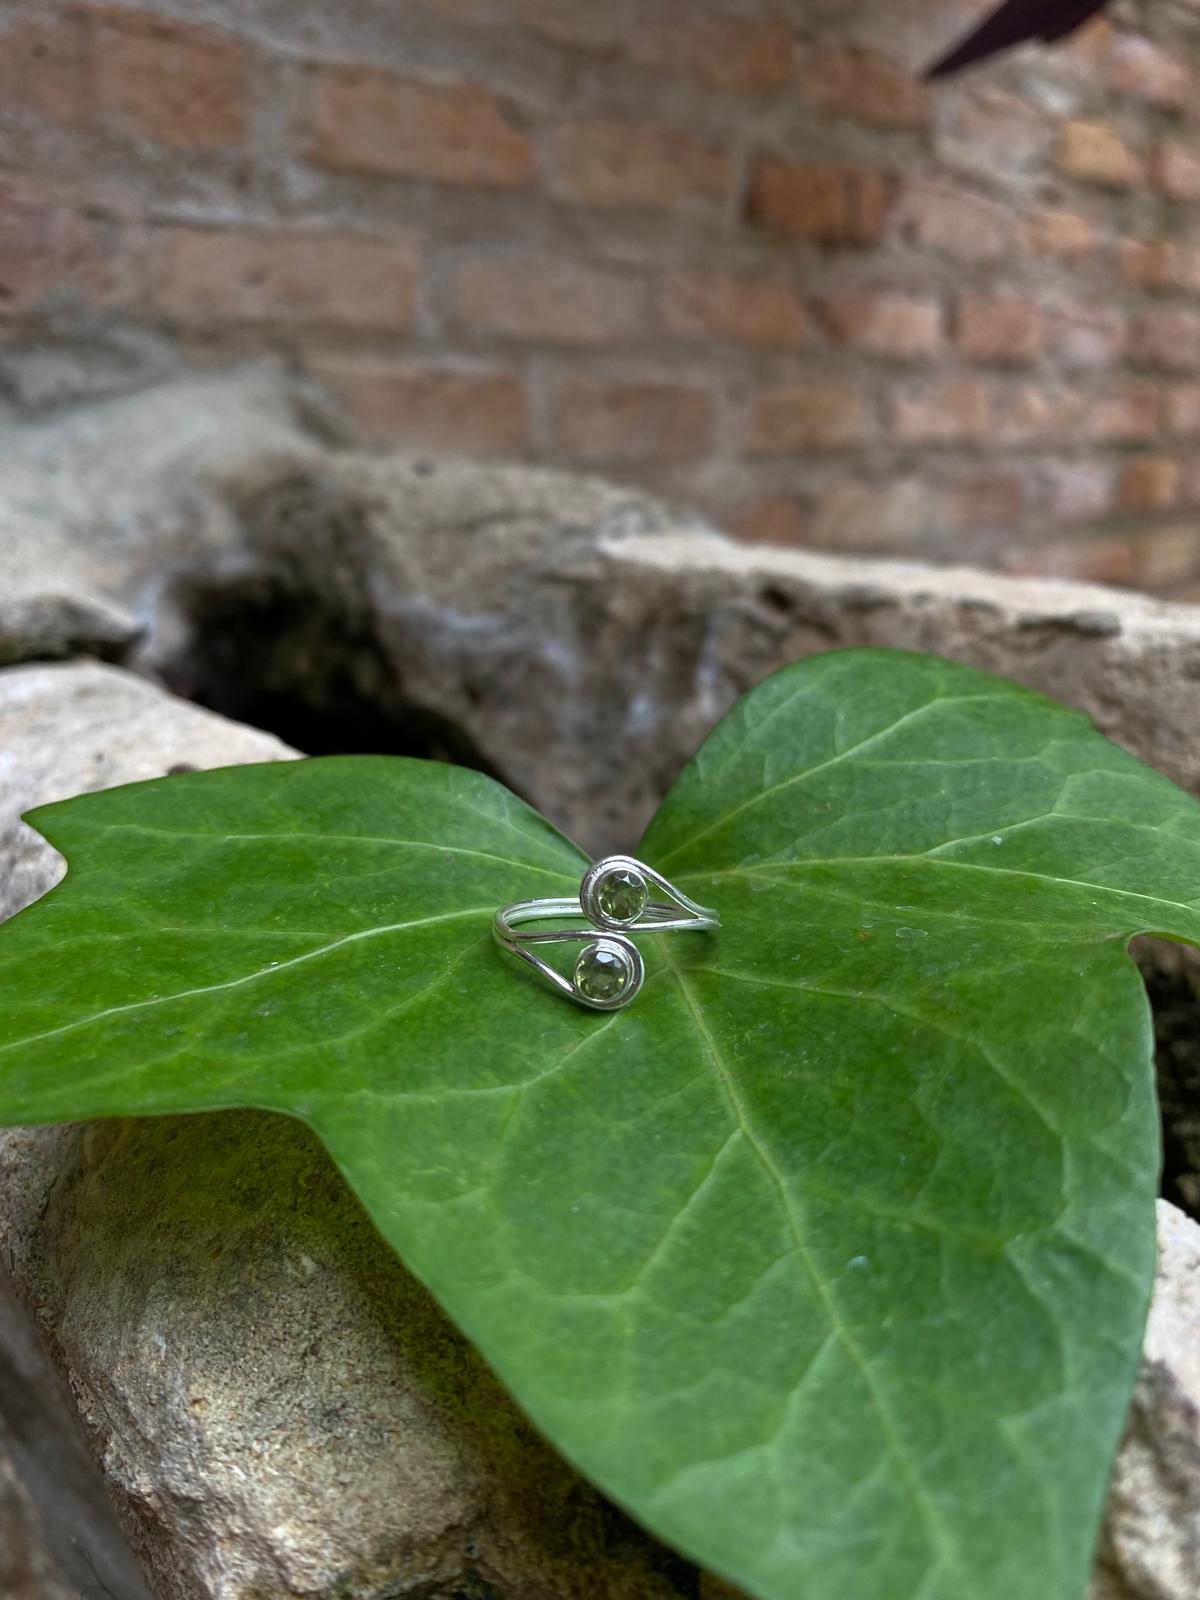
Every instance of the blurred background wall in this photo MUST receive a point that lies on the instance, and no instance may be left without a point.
(731, 250)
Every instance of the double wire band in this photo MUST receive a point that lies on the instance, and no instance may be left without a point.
(614, 899)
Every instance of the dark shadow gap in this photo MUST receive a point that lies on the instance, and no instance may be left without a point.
(1175, 1000)
(279, 661)
(39, 1432)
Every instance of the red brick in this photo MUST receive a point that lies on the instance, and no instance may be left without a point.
(483, 11)
(169, 82)
(1086, 560)
(1060, 233)
(1175, 170)
(1094, 152)
(714, 305)
(1148, 483)
(349, 280)
(1078, 491)
(1166, 338)
(994, 133)
(596, 421)
(779, 519)
(1035, 415)
(873, 517)
(1182, 406)
(990, 500)
(1129, 415)
(1111, 561)
(1141, 68)
(951, 411)
(1042, 415)
(1148, 263)
(823, 200)
(1104, 562)
(899, 327)
(46, 247)
(805, 417)
(954, 222)
(44, 71)
(576, 24)
(999, 332)
(1186, 274)
(552, 301)
(636, 164)
(431, 408)
(727, 53)
(1089, 47)
(1086, 338)
(861, 84)
(365, 119)
(1167, 557)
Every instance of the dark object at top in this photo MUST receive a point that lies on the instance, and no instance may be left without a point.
(1015, 22)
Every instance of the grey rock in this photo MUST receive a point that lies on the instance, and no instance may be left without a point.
(65, 352)
(279, 1408)
(1151, 1544)
(577, 639)
(582, 640)
(59, 1538)
(66, 729)
(70, 729)
(25, 1570)
(106, 510)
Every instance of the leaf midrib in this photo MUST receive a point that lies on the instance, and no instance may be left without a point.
(939, 1541)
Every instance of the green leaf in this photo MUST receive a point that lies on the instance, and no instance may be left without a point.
(830, 1256)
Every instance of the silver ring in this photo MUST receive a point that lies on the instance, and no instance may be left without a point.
(614, 900)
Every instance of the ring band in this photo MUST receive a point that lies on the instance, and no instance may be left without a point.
(614, 900)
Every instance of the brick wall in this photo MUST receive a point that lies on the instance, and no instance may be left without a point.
(729, 249)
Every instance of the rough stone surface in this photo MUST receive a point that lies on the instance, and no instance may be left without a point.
(25, 1571)
(524, 620)
(104, 509)
(533, 623)
(59, 1538)
(551, 621)
(69, 729)
(1151, 1544)
(279, 1408)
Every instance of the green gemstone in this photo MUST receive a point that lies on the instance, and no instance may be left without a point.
(601, 974)
(622, 896)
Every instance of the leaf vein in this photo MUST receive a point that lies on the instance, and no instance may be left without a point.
(760, 795)
(939, 1540)
(236, 983)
